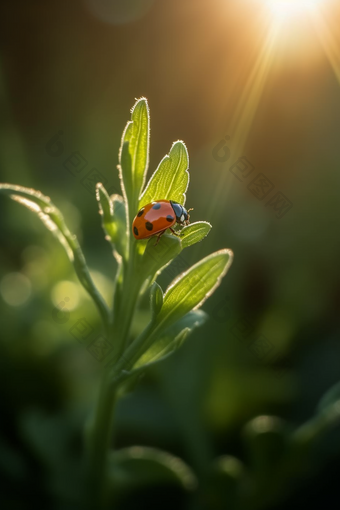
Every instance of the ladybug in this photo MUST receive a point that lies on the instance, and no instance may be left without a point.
(157, 217)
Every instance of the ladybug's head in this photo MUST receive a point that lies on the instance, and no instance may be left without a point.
(182, 215)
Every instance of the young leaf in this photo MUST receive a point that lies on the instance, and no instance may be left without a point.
(54, 221)
(106, 211)
(113, 215)
(172, 339)
(194, 233)
(156, 299)
(170, 180)
(134, 154)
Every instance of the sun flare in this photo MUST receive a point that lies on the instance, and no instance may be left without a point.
(283, 9)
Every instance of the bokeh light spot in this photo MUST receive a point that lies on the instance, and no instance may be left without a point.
(15, 289)
(65, 295)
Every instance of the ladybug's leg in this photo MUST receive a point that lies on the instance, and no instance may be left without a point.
(174, 232)
(158, 237)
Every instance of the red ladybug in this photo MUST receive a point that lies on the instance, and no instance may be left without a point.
(157, 217)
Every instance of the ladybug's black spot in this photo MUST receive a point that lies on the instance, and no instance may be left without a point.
(169, 218)
(135, 229)
(148, 225)
(156, 206)
(140, 212)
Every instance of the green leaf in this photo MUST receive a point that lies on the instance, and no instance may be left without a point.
(105, 205)
(171, 339)
(187, 292)
(54, 221)
(134, 154)
(331, 397)
(170, 180)
(113, 214)
(156, 299)
(140, 466)
(157, 257)
(119, 214)
(193, 287)
(194, 233)
(222, 485)
(327, 417)
(106, 211)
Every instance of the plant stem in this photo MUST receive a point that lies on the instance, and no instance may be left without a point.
(99, 443)
(101, 426)
(122, 320)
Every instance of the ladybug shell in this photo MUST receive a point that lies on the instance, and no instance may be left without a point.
(153, 218)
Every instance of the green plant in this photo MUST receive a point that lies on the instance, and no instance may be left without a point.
(174, 314)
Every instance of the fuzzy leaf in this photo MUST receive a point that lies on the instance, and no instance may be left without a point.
(105, 205)
(170, 180)
(119, 237)
(106, 211)
(192, 288)
(134, 154)
(54, 221)
(194, 233)
(138, 466)
(172, 339)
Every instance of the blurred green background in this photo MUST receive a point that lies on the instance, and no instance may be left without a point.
(70, 72)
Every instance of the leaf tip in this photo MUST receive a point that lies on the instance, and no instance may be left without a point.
(140, 103)
(230, 254)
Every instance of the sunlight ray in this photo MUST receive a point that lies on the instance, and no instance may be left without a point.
(328, 42)
(244, 115)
